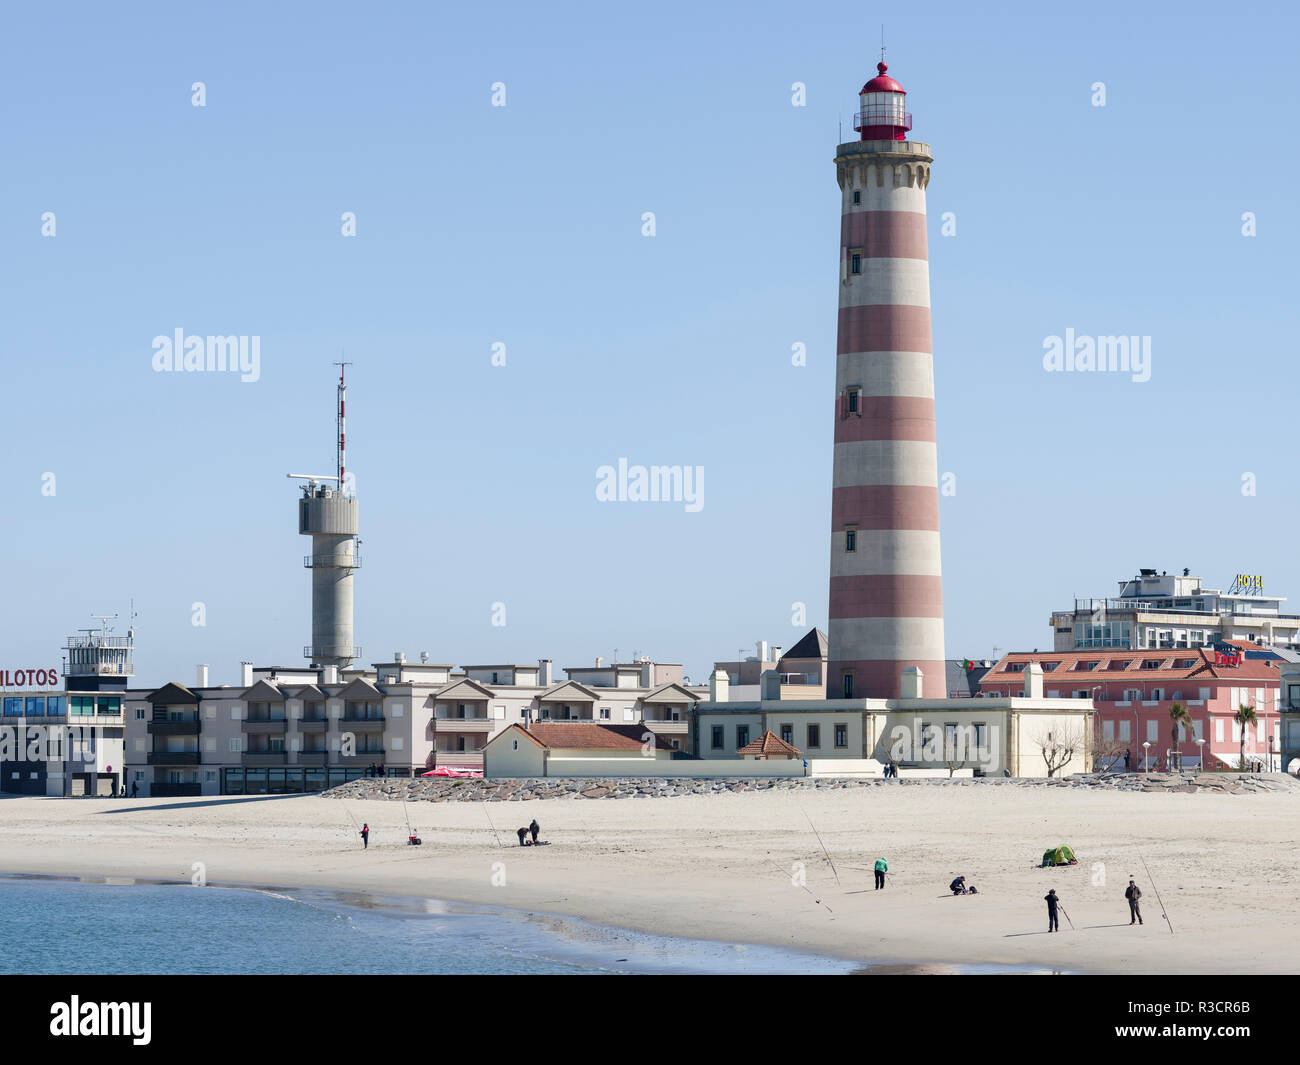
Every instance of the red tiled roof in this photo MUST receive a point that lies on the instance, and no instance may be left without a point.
(769, 744)
(1202, 665)
(591, 736)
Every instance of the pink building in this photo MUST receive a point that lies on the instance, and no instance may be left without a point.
(886, 599)
(1133, 691)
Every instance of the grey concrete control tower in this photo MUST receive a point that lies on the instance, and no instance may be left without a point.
(328, 514)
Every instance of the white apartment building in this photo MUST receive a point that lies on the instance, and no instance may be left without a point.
(1161, 611)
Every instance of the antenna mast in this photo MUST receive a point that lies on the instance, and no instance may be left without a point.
(342, 420)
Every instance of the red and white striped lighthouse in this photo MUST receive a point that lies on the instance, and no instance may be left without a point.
(886, 599)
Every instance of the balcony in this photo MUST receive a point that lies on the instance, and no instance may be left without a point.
(313, 758)
(175, 728)
(258, 759)
(260, 726)
(359, 760)
(371, 723)
(667, 728)
(462, 724)
(312, 724)
(173, 758)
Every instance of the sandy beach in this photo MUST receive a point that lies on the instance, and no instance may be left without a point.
(720, 867)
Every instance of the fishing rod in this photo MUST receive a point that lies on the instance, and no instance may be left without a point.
(494, 827)
(1163, 912)
(823, 846)
(804, 886)
(1067, 917)
(350, 817)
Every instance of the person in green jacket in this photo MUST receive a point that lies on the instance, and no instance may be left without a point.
(882, 867)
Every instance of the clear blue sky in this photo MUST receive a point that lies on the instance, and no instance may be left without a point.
(522, 225)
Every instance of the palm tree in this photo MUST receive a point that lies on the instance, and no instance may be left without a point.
(1178, 715)
(1245, 717)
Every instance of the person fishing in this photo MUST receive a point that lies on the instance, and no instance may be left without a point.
(1133, 893)
(882, 867)
(958, 886)
(1053, 921)
(365, 836)
(523, 837)
(533, 829)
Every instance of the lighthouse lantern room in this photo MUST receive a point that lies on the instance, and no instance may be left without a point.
(883, 114)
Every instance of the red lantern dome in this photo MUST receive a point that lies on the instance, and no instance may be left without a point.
(882, 114)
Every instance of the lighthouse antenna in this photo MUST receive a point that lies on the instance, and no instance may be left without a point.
(342, 424)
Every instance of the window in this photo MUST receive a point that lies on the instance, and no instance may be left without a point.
(604, 713)
(516, 745)
(1108, 730)
(1124, 731)
(717, 737)
(848, 685)
(1292, 696)
(855, 261)
(857, 196)
(814, 736)
(1151, 663)
(981, 738)
(787, 734)
(139, 713)
(54, 705)
(841, 735)
(236, 744)
(853, 401)
(742, 735)
(397, 743)
(1153, 731)
(1081, 693)
(850, 539)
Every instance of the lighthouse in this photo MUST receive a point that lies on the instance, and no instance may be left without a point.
(886, 599)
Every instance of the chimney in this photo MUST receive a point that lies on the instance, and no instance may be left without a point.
(776, 653)
(719, 686)
(912, 682)
(201, 677)
(399, 657)
(762, 650)
(770, 685)
(330, 675)
(1033, 681)
(246, 674)
(424, 657)
(544, 672)
(599, 660)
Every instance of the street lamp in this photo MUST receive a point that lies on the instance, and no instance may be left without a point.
(1146, 755)
(1200, 743)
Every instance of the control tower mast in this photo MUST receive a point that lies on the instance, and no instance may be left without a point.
(328, 514)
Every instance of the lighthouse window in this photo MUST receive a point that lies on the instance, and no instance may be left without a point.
(857, 195)
(856, 263)
(851, 540)
(853, 401)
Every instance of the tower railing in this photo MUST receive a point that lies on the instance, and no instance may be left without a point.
(344, 561)
(330, 652)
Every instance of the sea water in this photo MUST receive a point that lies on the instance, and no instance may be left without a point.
(60, 926)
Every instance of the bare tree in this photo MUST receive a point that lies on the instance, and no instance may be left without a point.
(1059, 747)
(1106, 754)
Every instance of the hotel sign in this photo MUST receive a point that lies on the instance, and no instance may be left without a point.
(29, 678)
(1247, 584)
